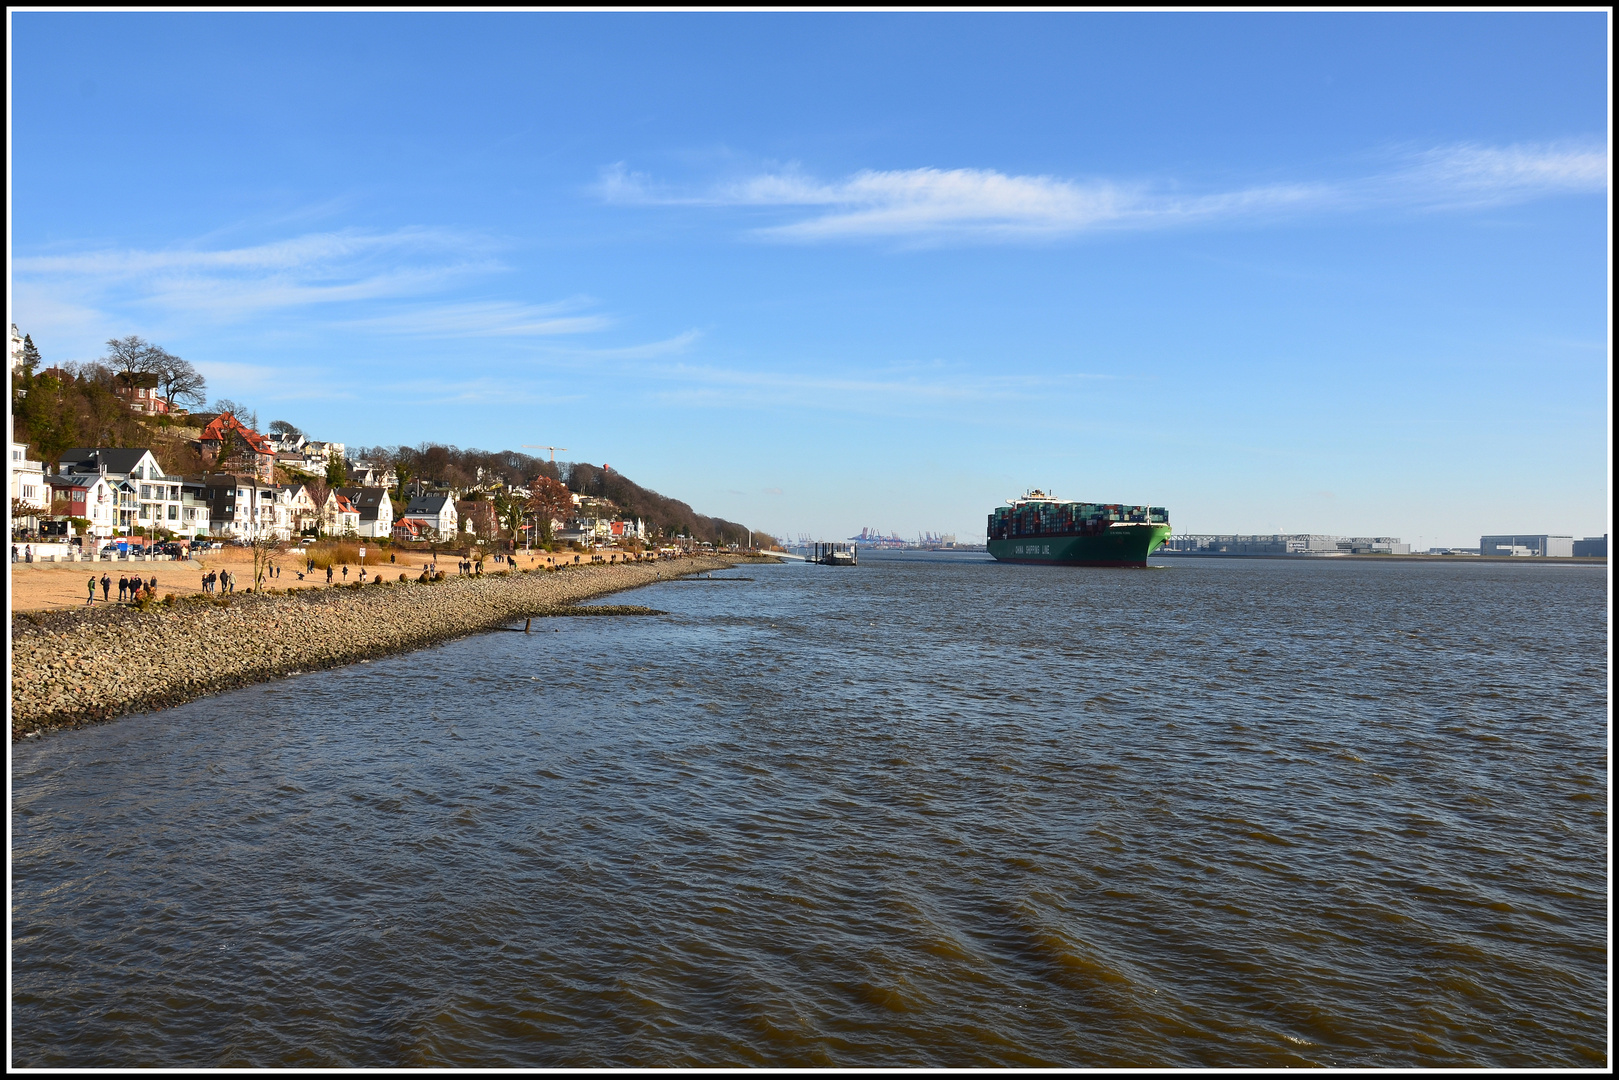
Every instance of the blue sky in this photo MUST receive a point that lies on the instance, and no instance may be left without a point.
(1336, 273)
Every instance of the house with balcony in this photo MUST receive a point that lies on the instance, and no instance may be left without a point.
(28, 486)
(434, 513)
(240, 507)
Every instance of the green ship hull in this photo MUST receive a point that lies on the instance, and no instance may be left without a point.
(1118, 545)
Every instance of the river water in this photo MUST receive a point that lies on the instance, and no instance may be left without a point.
(925, 811)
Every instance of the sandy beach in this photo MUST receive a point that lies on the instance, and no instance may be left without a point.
(46, 586)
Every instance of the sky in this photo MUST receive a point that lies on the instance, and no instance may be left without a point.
(1335, 272)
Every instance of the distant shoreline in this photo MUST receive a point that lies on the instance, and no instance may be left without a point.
(1533, 560)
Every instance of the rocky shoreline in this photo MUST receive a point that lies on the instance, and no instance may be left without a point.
(71, 668)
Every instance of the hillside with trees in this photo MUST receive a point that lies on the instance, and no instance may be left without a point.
(436, 464)
(69, 405)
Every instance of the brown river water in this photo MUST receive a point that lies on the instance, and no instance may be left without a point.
(927, 811)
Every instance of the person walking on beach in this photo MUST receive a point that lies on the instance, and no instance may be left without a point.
(362, 575)
(345, 572)
(106, 587)
(123, 588)
(92, 590)
(328, 575)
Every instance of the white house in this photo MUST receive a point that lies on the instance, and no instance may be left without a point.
(92, 496)
(27, 477)
(435, 513)
(376, 510)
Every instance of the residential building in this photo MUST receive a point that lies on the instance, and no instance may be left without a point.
(138, 390)
(1539, 545)
(376, 510)
(435, 513)
(302, 513)
(93, 496)
(339, 515)
(371, 474)
(247, 448)
(240, 506)
(141, 496)
(27, 476)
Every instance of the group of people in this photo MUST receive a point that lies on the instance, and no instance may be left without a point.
(221, 581)
(129, 588)
(469, 568)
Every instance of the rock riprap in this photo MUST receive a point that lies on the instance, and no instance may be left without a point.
(70, 668)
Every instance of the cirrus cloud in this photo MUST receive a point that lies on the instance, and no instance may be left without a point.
(936, 204)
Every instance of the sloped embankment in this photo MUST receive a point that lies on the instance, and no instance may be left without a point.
(71, 668)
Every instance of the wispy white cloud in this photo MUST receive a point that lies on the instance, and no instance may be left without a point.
(984, 204)
(226, 284)
(665, 347)
(882, 392)
(493, 318)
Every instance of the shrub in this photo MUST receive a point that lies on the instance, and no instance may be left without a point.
(404, 577)
(333, 553)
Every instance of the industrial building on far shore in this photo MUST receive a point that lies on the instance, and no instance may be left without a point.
(1544, 545)
(1284, 544)
(1532, 545)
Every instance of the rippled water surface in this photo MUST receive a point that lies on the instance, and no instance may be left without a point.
(931, 811)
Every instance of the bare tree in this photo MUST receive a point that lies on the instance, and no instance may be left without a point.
(178, 380)
(265, 552)
(131, 356)
(246, 415)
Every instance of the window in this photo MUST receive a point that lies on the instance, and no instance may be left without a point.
(146, 491)
(174, 512)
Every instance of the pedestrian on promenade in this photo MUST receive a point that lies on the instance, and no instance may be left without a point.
(106, 587)
(92, 590)
(13, 552)
(28, 553)
(328, 575)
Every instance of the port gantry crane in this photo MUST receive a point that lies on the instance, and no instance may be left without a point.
(553, 449)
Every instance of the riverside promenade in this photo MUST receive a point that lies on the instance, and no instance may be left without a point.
(73, 667)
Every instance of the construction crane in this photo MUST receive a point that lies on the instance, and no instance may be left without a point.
(553, 449)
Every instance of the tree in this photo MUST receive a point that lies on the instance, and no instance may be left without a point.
(549, 500)
(337, 473)
(178, 380)
(242, 412)
(30, 358)
(265, 552)
(132, 356)
(508, 511)
(281, 427)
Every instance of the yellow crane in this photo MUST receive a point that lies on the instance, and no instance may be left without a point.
(553, 449)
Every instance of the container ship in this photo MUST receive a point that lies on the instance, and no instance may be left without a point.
(1041, 529)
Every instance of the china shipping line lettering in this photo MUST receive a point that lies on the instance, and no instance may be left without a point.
(1032, 549)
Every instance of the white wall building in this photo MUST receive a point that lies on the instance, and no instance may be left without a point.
(1531, 544)
(27, 476)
